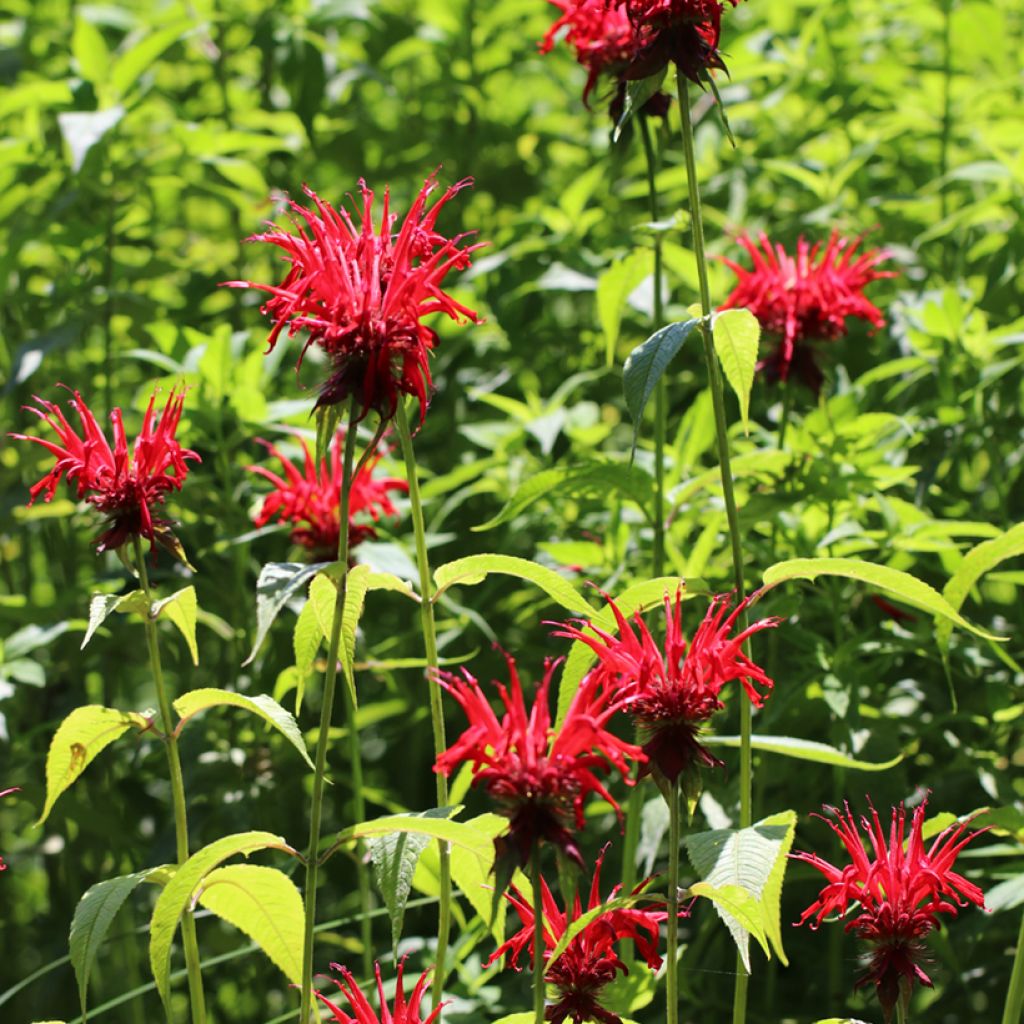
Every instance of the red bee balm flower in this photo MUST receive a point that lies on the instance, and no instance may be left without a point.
(361, 294)
(806, 298)
(901, 888)
(670, 690)
(125, 486)
(3, 793)
(590, 961)
(404, 1012)
(538, 778)
(311, 499)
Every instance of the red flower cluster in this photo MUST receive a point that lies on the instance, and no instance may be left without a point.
(3, 793)
(670, 690)
(590, 961)
(405, 1012)
(806, 297)
(311, 499)
(126, 486)
(900, 886)
(538, 778)
(361, 294)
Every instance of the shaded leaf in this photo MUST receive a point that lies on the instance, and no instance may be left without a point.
(102, 605)
(637, 94)
(278, 581)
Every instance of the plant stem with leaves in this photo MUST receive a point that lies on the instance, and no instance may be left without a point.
(188, 925)
(538, 942)
(436, 710)
(672, 924)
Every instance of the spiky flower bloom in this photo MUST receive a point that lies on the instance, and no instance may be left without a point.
(538, 778)
(405, 1012)
(3, 793)
(360, 291)
(591, 960)
(671, 689)
(125, 485)
(900, 887)
(806, 297)
(310, 498)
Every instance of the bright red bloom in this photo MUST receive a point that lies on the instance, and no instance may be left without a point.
(126, 486)
(900, 888)
(806, 297)
(311, 498)
(405, 1012)
(671, 689)
(538, 778)
(361, 293)
(3, 793)
(590, 961)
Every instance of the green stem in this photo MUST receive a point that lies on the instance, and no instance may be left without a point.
(718, 401)
(902, 1014)
(672, 924)
(434, 687)
(1013, 1013)
(188, 924)
(538, 943)
(326, 714)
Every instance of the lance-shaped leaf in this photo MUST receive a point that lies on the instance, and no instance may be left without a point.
(613, 289)
(576, 926)
(736, 333)
(102, 605)
(475, 569)
(278, 581)
(804, 750)
(181, 608)
(637, 94)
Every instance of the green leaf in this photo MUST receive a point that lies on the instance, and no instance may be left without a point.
(645, 365)
(306, 639)
(85, 733)
(459, 833)
(89, 926)
(736, 333)
(474, 569)
(804, 750)
(180, 890)
(637, 94)
(181, 608)
(102, 605)
(752, 860)
(278, 581)
(900, 585)
(89, 49)
(129, 66)
(263, 903)
(191, 703)
(613, 289)
(581, 922)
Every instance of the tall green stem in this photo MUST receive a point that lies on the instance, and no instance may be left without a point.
(1013, 1013)
(538, 943)
(436, 711)
(672, 924)
(718, 401)
(902, 1014)
(326, 714)
(188, 924)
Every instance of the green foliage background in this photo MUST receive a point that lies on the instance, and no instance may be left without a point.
(142, 142)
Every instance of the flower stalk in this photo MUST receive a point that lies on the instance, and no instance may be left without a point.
(672, 924)
(1013, 1012)
(538, 942)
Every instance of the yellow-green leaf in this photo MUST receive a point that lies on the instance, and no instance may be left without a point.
(736, 333)
(181, 608)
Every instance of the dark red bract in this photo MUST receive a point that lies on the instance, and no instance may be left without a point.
(900, 888)
(310, 498)
(126, 486)
(361, 292)
(404, 1012)
(806, 297)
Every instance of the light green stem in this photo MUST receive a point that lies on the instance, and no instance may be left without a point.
(188, 924)
(538, 943)
(672, 924)
(902, 1014)
(434, 688)
(1013, 1013)
(718, 401)
(326, 714)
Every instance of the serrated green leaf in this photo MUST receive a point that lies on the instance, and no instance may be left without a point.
(613, 289)
(581, 922)
(645, 365)
(263, 903)
(804, 750)
(78, 740)
(278, 581)
(741, 912)
(177, 896)
(265, 707)
(735, 333)
(181, 608)
(103, 605)
(637, 94)
(474, 569)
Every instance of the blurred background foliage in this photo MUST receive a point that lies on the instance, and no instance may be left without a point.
(141, 142)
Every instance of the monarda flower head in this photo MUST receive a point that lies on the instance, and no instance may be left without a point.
(538, 778)
(405, 1011)
(806, 298)
(591, 960)
(310, 499)
(126, 485)
(671, 689)
(900, 887)
(361, 291)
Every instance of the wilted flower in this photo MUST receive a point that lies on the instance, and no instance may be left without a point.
(310, 498)
(361, 293)
(671, 689)
(806, 297)
(126, 486)
(3, 793)
(539, 778)
(900, 889)
(405, 1012)
(590, 961)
